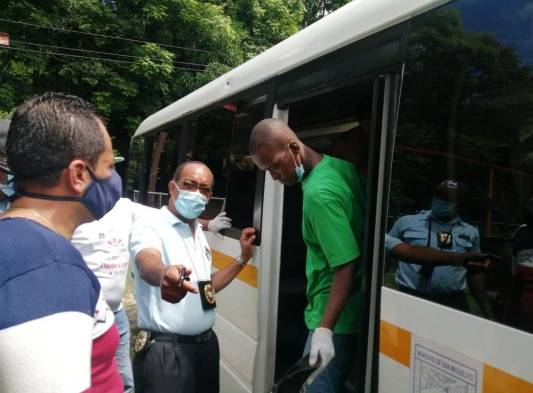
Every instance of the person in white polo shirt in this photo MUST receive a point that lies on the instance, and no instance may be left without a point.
(104, 245)
(175, 290)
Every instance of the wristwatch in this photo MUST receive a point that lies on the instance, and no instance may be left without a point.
(240, 260)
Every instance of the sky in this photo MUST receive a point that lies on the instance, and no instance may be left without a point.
(510, 21)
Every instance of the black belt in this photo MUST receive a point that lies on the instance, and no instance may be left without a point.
(182, 339)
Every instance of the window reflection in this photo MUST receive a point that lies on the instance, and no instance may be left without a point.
(465, 115)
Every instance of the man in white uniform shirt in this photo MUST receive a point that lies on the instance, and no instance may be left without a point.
(104, 245)
(175, 289)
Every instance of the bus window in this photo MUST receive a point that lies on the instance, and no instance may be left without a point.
(336, 123)
(222, 143)
(160, 168)
(462, 169)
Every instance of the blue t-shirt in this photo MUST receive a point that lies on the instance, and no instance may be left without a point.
(41, 274)
(414, 229)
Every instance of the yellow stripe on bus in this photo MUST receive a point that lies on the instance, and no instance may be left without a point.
(395, 343)
(247, 275)
(499, 381)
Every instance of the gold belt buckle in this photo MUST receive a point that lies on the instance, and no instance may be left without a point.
(141, 340)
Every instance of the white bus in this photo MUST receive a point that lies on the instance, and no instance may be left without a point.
(447, 89)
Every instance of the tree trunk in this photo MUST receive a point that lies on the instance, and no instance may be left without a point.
(155, 165)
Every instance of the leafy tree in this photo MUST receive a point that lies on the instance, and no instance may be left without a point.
(465, 104)
(317, 9)
(174, 47)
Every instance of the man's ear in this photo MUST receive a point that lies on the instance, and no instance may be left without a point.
(172, 189)
(294, 147)
(77, 177)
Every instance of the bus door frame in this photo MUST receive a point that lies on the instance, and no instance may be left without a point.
(386, 96)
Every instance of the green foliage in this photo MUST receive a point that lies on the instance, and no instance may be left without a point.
(265, 22)
(210, 36)
(465, 112)
(317, 9)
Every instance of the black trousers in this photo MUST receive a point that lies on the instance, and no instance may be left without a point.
(171, 366)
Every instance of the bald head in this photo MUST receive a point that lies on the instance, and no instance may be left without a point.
(271, 133)
(275, 148)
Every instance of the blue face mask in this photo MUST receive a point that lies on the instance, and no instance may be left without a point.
(190, 204)
(8, 189)
(443, 209)
(102, 194)
(298, 168)
(99, 198)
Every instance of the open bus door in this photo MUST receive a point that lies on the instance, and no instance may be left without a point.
(359, 130)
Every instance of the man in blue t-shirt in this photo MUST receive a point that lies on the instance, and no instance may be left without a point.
(56, 332)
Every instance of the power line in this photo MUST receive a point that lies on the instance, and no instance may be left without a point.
(48, 53)
(102, 53)
(103, 35)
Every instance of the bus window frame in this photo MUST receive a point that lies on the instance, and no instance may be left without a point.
(387, 89)
(257, 95)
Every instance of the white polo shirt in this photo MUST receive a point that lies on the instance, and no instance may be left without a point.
(103, 244)
(174, 239)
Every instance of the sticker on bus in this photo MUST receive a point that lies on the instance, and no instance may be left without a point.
(439, 369)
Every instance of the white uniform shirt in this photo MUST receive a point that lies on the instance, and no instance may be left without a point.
(103, 244)
(174, 239)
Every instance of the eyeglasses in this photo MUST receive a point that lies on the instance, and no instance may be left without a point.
(189, 185)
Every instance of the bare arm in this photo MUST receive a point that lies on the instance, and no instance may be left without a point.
(150, 265)
(340, 291)
(168, 278)
(204, 222)
(224, 276)
(429, 256)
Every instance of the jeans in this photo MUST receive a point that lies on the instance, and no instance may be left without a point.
(332, 379)
(123, 350)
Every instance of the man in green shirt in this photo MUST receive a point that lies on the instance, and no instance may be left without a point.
(333, 221)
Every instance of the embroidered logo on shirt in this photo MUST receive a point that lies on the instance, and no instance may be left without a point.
(115, 242)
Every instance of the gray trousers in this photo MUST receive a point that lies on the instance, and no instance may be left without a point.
(167, 366)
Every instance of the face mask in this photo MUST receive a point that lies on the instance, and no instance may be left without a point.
(102, 194)
(443, 209)
(298, 169)
(190, 204)
(99, 198)
(8, 189)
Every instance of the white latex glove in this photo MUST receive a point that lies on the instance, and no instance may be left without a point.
(321, 345)
(219, 223)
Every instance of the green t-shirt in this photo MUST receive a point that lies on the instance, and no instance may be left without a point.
(332, 227)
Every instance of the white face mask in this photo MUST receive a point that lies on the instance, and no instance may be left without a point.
(190, 204)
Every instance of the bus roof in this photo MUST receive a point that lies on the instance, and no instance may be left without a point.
(356, 20)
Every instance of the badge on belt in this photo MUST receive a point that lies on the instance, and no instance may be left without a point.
(207, 294)
(141, 340)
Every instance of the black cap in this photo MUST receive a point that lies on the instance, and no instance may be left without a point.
(449, 189)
